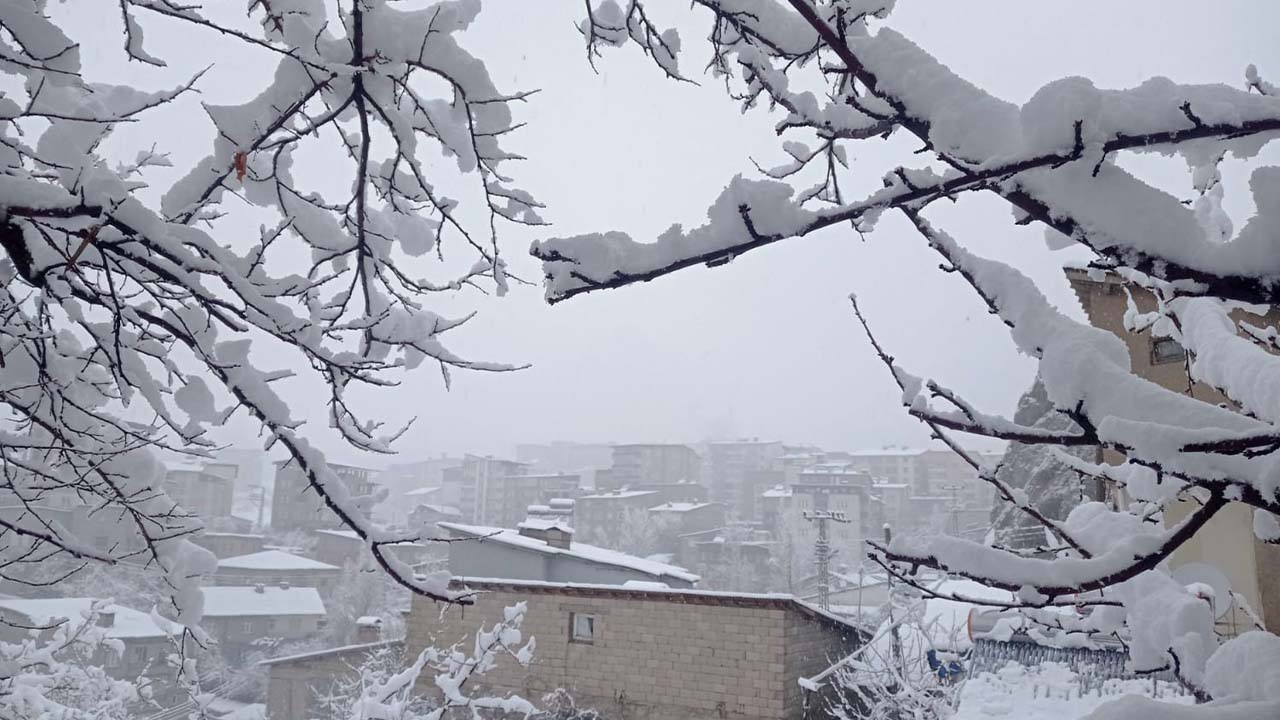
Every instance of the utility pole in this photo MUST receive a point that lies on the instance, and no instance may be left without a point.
(895, 640)
(822, 552)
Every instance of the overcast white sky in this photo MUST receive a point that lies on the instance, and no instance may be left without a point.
(766, 346)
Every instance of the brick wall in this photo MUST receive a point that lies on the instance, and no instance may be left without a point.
(655, 656)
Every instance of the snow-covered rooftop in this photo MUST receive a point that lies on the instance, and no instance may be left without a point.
(778, 491)
(680, 507)
(422, 492)
(126, 622)
(273, 560)
(357, 648)
(647, 588)
(619, 495)
(252, 601)
(580, 551)
(441, 509)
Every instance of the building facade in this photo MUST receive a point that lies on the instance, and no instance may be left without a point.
(729, 463)
(1227, 542)
(206, 490)
(632, 652)
(296, 506)
(652, 464)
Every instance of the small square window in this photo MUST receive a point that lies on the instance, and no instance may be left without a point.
(1166, 350)
(582, 628)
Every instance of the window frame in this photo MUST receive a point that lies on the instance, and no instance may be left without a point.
(592, 623)
(1158, 359)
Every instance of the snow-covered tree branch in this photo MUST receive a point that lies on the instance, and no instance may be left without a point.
(115, 308)
(1053, 160)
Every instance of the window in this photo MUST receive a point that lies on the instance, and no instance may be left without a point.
(1166, 350)
(582, 628)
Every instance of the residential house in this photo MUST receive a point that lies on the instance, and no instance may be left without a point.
(639, 651)
(272, 567)
(296, 506)
(144, 644)
(297, 682)
(239, 617)
(545, 552)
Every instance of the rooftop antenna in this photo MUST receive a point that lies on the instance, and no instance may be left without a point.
(822, 552)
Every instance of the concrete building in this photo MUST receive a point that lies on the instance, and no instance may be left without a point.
(657, 464)
(681, 518)
(344, 547)
(468, 487)
(583, 459)
(595, 516)
(228, 544)
(239, 616)
(836, 489)
(205, 489)
(509, 498)
(547, 553)
(729, 463)
(652, 653)
(1227, 542)
(273, 567)
(296, 506)
(897, 465)
(407, 484)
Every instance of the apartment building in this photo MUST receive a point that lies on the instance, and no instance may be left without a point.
(296, 506)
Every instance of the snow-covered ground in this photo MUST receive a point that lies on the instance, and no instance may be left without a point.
(1049, 691)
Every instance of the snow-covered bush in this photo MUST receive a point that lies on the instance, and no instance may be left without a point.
(1053, 161)
(58, 672)
(384, 687)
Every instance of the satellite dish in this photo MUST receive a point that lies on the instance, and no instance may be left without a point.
(1198, 573)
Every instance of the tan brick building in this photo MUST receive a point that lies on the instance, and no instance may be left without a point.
(1226, 542)
(651, 653)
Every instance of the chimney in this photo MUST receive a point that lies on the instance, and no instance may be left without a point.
(106, 618)
(368, 629)
(555, 534)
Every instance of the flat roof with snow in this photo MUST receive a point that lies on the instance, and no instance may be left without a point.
(619, 495)
(579, 551)
(680, 507)
(273, 560)
(654, 591)
(259, 600)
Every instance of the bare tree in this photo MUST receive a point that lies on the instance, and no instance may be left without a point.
(112, 308)
(1054, 162)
